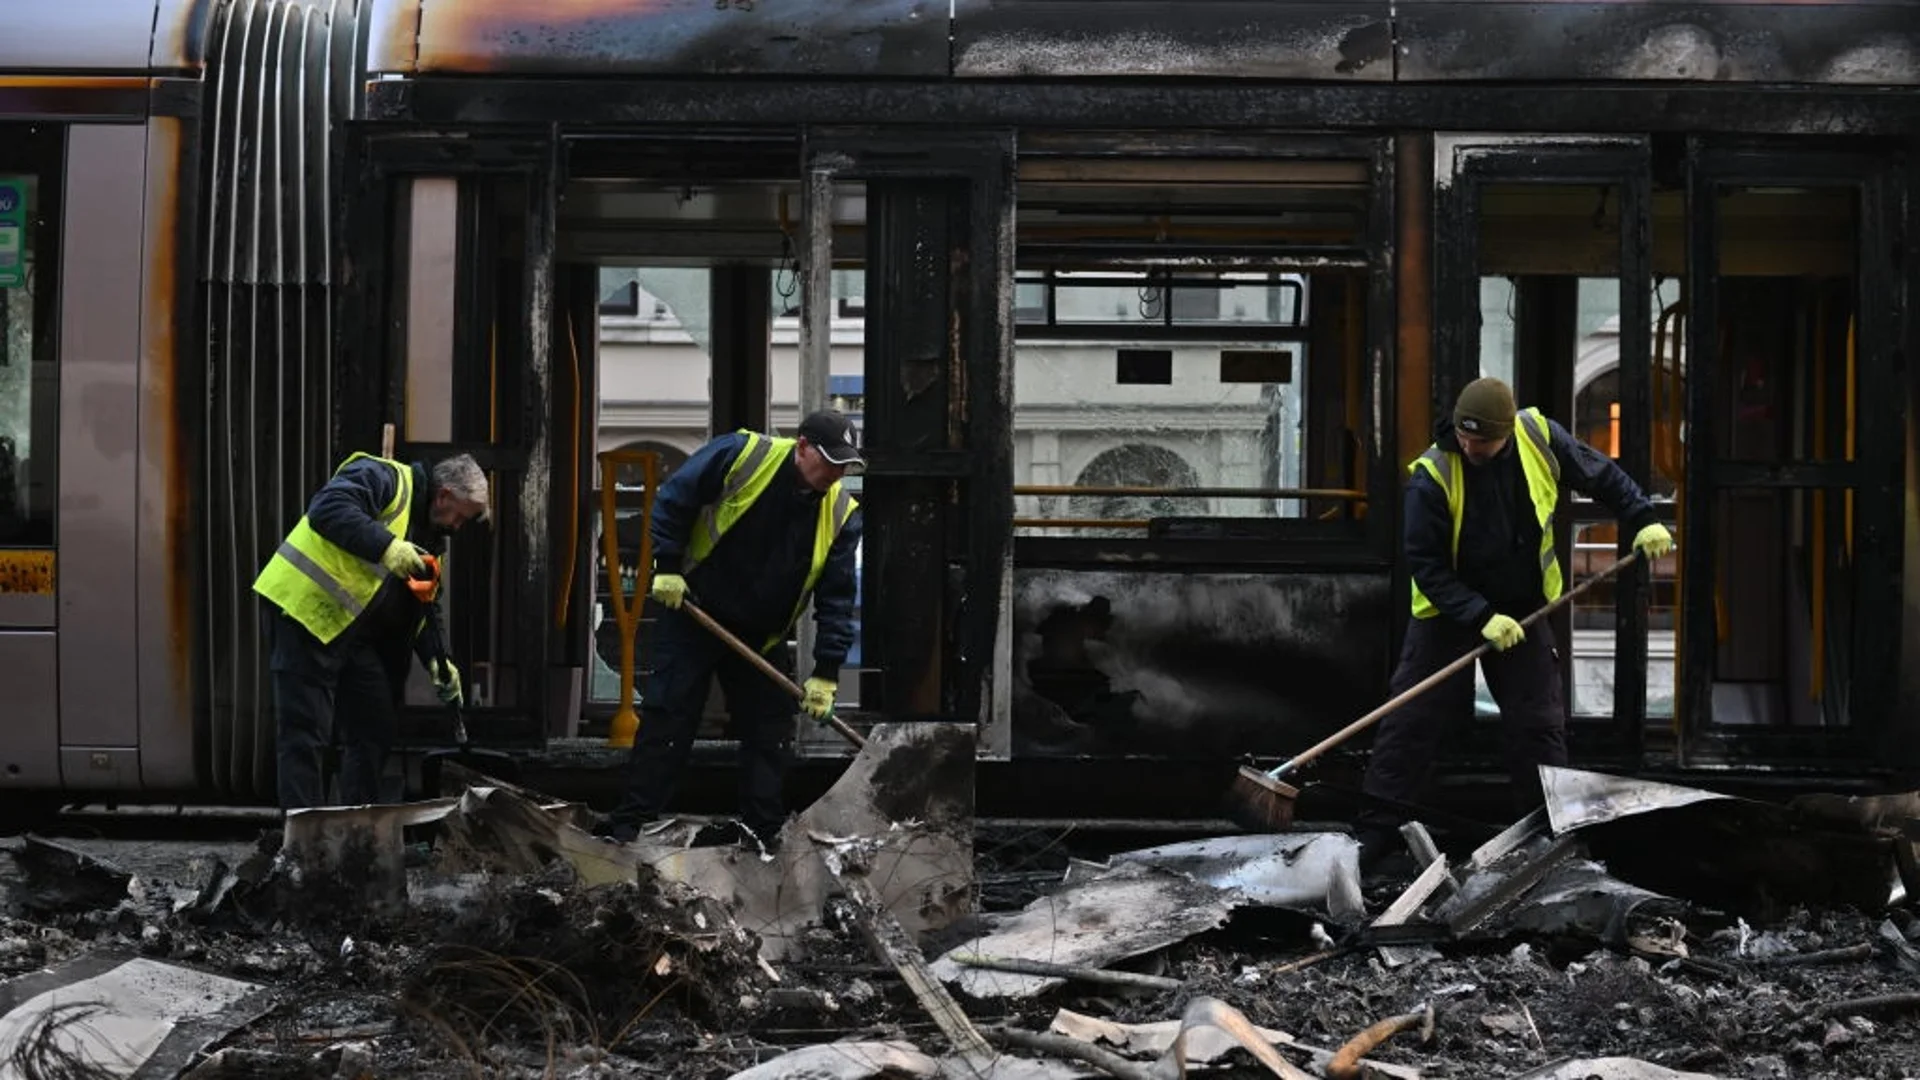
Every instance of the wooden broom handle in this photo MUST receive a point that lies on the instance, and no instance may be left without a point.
(769, 670)
(1303, 758)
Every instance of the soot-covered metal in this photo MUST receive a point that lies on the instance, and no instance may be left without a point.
(1807, 42)
(603, 37)
(1193, 664)
(1352, 40)
(1811, 42)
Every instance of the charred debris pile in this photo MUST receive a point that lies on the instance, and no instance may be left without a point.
(1627, 929)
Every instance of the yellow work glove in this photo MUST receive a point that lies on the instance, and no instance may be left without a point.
(403, 559)
(1653, 541)
(819, 700)
(1504, 631)
(669, 589)
(446, 681)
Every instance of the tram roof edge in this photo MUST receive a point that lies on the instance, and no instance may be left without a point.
(1816, 42)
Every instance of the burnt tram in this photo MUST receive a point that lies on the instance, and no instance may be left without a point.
(1136, 540)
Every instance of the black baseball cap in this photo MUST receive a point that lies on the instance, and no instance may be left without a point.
(834, 436)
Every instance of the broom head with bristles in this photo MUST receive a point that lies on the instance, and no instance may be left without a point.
(1259, 803)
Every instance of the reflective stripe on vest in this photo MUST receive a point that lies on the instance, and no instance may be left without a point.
(835, 509)
(1542, 471)
(321, 585)
(749, 475)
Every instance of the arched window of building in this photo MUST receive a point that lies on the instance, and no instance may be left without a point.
(671, 458)
(1137, 465)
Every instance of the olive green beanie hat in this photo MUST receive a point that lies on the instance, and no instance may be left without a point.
(1485, 409)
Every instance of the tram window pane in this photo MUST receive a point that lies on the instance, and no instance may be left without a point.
(1254, 298)
(846, 391)
(1595, 544)
(1784, 386)
(1589, 332)
(1784, 601)
(1124, 297)
(1086, 417)
(1496, 328)
(1077, 424)
(1549, 306)
(1107, 297)
(1784, 391)
(1030, 299)
(656, 379)
(655, 395)
(1669, 359)
(29, 414)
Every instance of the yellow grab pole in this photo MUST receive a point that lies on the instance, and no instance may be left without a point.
(626, 609)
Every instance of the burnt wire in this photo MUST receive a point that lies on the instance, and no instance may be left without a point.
(43, 1052)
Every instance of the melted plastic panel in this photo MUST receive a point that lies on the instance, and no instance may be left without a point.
(1806, 42)
(1298, 39)
(604, 37)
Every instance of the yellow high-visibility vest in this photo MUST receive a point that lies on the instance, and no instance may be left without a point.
(1542, 470)
(321, 585)
(746, 479)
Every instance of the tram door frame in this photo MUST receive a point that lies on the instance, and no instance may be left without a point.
(1466, 165)
(499, 601)
(1877, 180)
(937, 494)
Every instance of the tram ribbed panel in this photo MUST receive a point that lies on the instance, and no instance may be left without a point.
(279, 84)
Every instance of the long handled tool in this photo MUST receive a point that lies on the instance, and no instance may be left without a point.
(771, 672)
(1262, 802)
(497, 763)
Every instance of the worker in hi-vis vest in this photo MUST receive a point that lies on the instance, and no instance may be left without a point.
(1480, 551)
(748, 528)
(349, 595)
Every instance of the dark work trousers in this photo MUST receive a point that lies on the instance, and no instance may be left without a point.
(685, 660)
(1525, 681)
(348, 692)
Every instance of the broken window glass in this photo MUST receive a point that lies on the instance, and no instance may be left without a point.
(1148, 401)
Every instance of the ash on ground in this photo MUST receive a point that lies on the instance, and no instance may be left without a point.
(541, 975)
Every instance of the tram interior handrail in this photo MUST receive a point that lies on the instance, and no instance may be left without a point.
(1346, 494)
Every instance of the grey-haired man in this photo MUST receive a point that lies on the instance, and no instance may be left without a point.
(344, 612)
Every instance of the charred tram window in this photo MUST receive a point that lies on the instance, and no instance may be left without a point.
(1145, 396)
(29, 438)
(1188, 361)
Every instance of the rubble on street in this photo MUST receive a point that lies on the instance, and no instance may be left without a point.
(1625, 930)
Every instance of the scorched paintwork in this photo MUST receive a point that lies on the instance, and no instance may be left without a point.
(635, 37)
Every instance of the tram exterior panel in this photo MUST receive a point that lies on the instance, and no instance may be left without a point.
(230, 189)
(98, 643)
